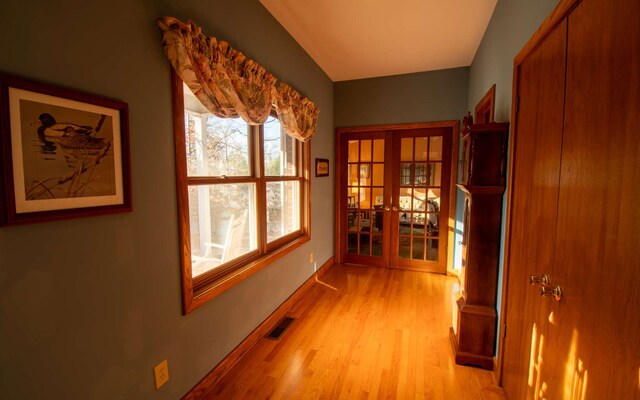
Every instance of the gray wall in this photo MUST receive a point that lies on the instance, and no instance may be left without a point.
(512, 24)
(420, 97)
(88, 306)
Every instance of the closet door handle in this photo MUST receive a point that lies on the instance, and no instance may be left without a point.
(394, 208)
(387, 208)
(542, 280)
(551, 291)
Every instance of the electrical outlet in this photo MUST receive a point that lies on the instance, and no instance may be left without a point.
(311, 258)
(161, 373)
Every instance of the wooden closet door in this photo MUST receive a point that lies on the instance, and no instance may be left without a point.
(536, 174)
(595, 340)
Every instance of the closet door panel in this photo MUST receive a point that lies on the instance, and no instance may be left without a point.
(536, 174)
(598, 318)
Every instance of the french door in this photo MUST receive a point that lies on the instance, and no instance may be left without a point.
(394, 197)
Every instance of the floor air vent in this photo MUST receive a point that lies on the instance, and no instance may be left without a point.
(280, 328)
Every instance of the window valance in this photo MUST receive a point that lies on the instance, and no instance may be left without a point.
(230, 85)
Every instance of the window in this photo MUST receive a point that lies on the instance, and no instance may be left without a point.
(242, 196)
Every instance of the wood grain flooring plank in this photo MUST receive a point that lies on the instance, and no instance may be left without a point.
(382, 335)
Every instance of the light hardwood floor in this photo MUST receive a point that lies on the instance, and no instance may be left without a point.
(382, 334)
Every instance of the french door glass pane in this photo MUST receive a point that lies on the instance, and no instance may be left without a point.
(405, 174)
(435, 174)
(419, 198)
(279, 150)
(222, 221)
(216, 146)
(378, 198)
(353, 174)
(404, 201)
(417, 224)
(404, 247)
(433, 224)
(365, 246)
(283, 209)
(354, 149)
(376, 245)
(365, 150)
(435, 148)
(420, 174)
(421, 148)
(432, 250)
(417, 250)
(406, 149)
(378, 150)
(378, 175)
(365, 174)
(365, 198)
(433, 200)
(352, 243)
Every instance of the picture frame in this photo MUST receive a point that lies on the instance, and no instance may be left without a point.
(322, 167)
(65, 153)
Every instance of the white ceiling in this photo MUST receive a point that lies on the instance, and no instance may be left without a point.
(353, 39)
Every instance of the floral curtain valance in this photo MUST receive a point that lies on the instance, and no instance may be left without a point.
(230, 85)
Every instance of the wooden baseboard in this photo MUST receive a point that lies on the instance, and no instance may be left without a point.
(224, 366)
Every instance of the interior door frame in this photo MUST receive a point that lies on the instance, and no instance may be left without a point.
(341, 176)
(557, 15)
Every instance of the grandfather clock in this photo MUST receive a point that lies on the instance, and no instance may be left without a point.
(473, 333)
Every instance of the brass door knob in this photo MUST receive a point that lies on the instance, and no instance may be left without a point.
(387, 208)
(539, 280)
(551, 291)
(394, 208)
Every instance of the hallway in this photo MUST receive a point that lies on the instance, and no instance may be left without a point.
(383, 334)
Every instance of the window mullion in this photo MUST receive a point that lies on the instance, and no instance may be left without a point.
(262, 188)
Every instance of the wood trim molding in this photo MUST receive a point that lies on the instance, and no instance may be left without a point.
(557, 15)
(219, 371)
(453, 191)
(397, 127)
(486, 104)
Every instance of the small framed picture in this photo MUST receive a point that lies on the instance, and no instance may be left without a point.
(65, 153)
(322, 167)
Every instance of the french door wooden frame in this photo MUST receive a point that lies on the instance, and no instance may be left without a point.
(451, 128)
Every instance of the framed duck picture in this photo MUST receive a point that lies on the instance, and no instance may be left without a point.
(65, 153)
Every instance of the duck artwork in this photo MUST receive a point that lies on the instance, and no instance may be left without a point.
(68, 135)
(81, 149)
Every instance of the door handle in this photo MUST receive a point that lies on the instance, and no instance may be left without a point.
(551, 291)
(394, 208)
(542, 280)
